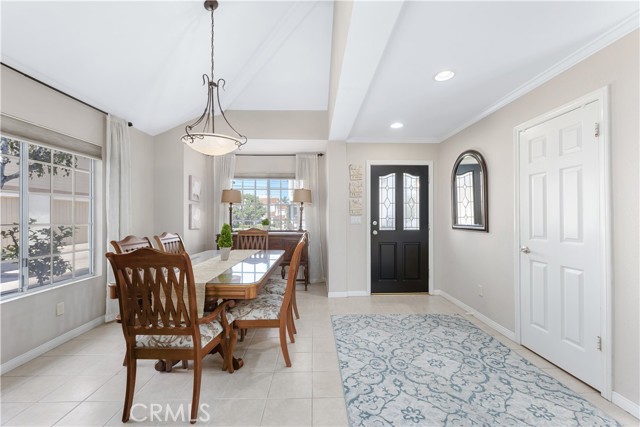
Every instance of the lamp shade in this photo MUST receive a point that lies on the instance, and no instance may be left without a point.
(302, 195)
(231, 196)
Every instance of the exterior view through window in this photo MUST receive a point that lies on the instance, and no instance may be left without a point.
(266, 198)
(46, 216)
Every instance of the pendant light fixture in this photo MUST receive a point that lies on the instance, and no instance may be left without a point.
(206, 140)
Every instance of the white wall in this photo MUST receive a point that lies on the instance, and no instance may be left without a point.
(466, 258)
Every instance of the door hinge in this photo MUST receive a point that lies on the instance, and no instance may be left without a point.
(599, 343)
(596, 131)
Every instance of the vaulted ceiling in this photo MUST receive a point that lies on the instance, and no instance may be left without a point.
(362, 64)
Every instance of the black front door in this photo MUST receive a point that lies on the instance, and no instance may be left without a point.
(399, 229)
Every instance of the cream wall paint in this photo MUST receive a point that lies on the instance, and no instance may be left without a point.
(249, 165)
(199, 165)
(488, 258)
(142, 185)
(30, 101)
(337, 243)
(168, 172)
(357, 235)
(30, 321)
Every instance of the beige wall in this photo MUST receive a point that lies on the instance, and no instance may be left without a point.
(357, 234)
(30, 321)
(142, 184)
(488, 258)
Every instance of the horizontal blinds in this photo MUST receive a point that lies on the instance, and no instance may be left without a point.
(48, 137)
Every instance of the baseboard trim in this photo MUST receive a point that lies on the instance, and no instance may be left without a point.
(348, 294)
(484, 319)
(49, 345)
(626, 404)
(109, 317)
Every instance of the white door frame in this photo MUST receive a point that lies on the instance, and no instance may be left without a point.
(601, 95)
(428, 163)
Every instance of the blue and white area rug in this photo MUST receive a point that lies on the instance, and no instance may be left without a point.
(440, 370)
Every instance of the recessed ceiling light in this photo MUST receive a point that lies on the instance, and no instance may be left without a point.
(396, 125)
(444, 75)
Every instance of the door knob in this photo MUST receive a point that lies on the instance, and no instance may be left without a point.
(375, 223)
(525, 249)
(375, 232)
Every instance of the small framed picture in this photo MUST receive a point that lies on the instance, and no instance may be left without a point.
(195, 187)
(195, 217)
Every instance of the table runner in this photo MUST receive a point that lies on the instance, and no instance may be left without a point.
(207, 270)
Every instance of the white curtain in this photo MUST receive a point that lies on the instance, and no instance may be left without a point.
(118, 180)
(307, 177)
(223, 169)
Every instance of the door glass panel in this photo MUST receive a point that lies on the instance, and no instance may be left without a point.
(387, 202)
(411, 202)
(464, 188)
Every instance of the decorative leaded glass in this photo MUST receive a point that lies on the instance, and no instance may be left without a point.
(411, 202)
(387, 202)
(464, 187)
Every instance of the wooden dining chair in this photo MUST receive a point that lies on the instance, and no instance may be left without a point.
(166, 325)
(253, 238)
(269, 310)
(170, 242)
(130, 243)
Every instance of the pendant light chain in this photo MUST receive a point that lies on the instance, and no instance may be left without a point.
(206, 140)
(212, 44)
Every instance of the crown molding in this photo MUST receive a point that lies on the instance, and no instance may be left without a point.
(614, 34)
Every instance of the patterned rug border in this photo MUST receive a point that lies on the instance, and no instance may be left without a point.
(521, 394)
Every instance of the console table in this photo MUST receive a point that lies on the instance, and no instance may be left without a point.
(287, 241)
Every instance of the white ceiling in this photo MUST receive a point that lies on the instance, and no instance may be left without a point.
(144, 60)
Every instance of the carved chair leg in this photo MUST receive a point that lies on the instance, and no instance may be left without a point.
(283, 344)
(131, 387)
(197, 378)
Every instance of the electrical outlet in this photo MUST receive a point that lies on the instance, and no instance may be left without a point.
(60, 309)
(480, 291)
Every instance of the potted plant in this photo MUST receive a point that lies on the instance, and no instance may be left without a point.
(265, 223)
(225, 242)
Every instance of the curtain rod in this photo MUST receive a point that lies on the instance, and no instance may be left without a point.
(57, 90)
(277, 155)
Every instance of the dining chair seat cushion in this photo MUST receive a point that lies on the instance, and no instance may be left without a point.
(275, 287)
(208, 331)
(263, 307)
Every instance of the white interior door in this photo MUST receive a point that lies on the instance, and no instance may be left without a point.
(560, 262)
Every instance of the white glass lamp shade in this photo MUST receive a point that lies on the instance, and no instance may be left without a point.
(231, 196)
(302, 195)
(211, 144)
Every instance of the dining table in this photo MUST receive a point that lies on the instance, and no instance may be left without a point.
(239, 277)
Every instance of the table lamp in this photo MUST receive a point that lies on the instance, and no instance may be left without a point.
(231, 197)
(301, 196)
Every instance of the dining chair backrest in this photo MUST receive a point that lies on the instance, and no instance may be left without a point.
(293, 275)
(130, 243)
(167, 279)
(164, 324)
(253, 238)
(170, 242)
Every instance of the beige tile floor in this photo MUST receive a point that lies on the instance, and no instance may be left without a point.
(81, 383)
